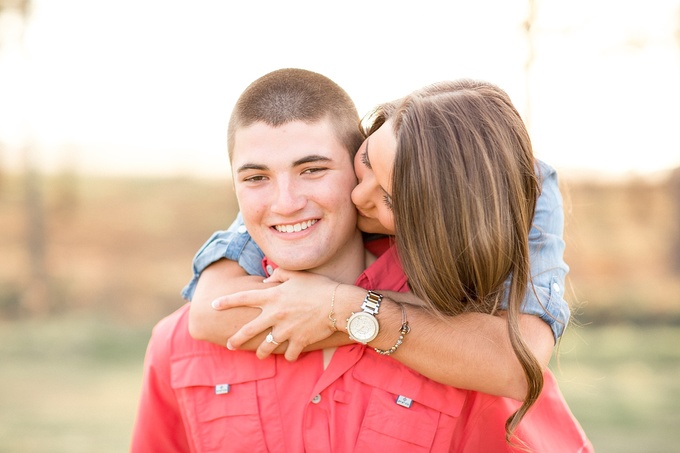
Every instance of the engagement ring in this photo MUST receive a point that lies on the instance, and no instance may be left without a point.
(270, 339)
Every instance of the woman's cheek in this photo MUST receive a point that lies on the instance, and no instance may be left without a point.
(387, 222)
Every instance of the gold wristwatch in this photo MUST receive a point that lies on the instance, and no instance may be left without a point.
(363, 326)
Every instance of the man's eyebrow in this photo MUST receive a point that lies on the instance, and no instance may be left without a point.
(246, 167)
(311, 158)
(304, 160)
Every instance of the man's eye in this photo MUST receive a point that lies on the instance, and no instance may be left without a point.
(254, 178)
(309, 171)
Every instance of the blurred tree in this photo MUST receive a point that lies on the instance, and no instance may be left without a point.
(7, 6)
(675, 183)
(65, 196)
(35, 299)
(674, 190)
(3, 176)
(21, 6)
(530, 31)
(677, 27)
(36, 296)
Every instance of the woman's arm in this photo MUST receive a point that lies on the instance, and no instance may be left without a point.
(470, 351)
(220, 278)
(205, 323)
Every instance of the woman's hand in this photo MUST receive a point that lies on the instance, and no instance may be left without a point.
(292, 312)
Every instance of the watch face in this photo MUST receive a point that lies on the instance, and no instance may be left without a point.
(362, 327)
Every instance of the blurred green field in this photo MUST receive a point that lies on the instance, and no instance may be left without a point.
(622, 382)
(70, 384)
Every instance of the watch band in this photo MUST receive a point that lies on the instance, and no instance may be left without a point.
(371, 302)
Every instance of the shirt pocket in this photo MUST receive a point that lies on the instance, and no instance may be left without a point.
(219, 398)
(429, 421)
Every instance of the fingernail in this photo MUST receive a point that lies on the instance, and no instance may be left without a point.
(229, 346)
(215, 304)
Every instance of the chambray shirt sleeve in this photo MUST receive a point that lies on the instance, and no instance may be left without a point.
(233, 244)
(546, 248)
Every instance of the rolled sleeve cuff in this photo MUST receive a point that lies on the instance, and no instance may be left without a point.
(233, 244)
(548, 304)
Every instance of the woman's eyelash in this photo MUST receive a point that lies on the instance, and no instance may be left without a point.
(364, 159)
(388, 201)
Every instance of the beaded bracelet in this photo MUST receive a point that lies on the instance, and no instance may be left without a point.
(405, 328)
(332, 313)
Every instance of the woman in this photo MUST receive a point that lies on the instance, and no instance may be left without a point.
(461, 225)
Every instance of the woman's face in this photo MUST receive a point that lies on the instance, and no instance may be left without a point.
(372, 195)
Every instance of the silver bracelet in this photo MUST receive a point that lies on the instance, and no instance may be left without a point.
(405, 328)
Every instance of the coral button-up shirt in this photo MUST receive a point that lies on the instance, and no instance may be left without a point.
(200, 397)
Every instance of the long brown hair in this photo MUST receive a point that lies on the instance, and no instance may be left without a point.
(464, 190)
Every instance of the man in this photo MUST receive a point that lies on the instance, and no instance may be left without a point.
(198, 396)
(291, 140)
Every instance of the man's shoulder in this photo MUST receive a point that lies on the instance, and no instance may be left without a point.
(169, 331)
(169, 325)
(171, 340)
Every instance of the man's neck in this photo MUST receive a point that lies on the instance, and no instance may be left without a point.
(349, 263)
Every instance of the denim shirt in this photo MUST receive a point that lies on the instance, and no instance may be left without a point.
(546, 248)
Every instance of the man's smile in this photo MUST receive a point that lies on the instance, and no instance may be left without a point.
(295, 227)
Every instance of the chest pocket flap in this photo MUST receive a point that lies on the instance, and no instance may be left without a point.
(230, 367)
(197, 376)
(393, 377)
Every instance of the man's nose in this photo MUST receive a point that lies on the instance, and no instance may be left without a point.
(289, 197)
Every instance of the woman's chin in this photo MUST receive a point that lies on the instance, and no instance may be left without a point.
(370, 225)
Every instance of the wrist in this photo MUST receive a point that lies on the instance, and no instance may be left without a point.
(403, 330)
(331, 315)
(348, 299)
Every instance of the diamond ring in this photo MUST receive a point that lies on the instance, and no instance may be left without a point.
(270, 339)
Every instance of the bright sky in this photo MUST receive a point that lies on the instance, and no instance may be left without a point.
(146, 86)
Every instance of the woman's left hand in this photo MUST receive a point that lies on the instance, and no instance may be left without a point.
(296, 311)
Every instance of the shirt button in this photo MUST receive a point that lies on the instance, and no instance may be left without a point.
(316, 399)
(270, 269)
(556, 287)
(242, 229)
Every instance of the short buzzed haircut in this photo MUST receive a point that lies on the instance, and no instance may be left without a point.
(291, 94)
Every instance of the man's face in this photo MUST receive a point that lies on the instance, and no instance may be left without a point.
(293, 185)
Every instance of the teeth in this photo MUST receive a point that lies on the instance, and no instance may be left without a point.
(295, 228)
